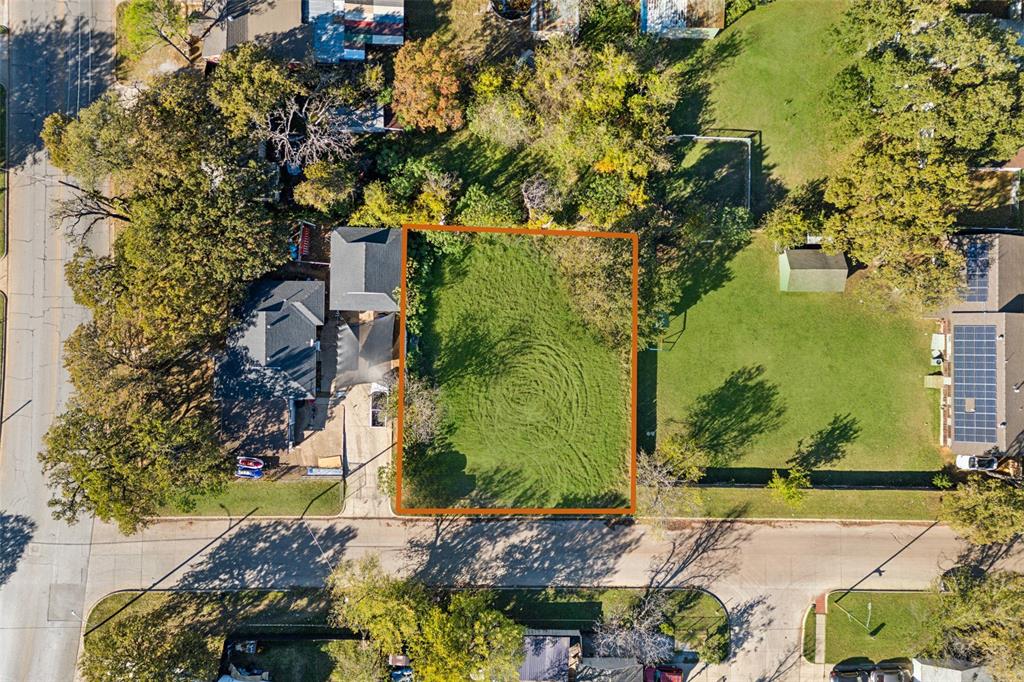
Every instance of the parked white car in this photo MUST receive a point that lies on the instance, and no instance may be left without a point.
(976, 463)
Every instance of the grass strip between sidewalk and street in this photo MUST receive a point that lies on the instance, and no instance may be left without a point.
(840, 503)
(270, 498)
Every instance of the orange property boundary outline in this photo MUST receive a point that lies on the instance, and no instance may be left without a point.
(631, 509)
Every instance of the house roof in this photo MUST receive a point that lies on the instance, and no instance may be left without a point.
(366, 269)
(277, 23)
(682, 18)
(546, 658)
(278, 332)
(342, 29)
(948, 670)
(606, 669)
(988, 382)
(994, 277)
(365, 351)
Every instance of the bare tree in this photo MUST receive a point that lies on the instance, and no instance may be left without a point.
(311, 127)
(540, 196)
(80, 213)
(635, 632)
(171, 22)
(660, 491)
(422, 414)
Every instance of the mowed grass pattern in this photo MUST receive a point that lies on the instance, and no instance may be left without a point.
(825, 354)
(537, 405)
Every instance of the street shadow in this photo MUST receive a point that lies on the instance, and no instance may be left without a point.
(749, 620)
(456, 551)
(785, 663)
(981, 559)
(61, 65)
(700, 554)
(276, 554)
(726, 420)
(16, 532)
(828, 445)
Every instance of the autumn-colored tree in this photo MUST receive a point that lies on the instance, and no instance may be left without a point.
(428, 85)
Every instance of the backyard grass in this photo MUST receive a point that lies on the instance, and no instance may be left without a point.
(301, 661)
(536, 405)
(762, 373)
(752, 503)
(898, 626)
(269, 498)
(776, 67)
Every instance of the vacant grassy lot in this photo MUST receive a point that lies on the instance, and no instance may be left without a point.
(536, 405)
(767, 377)
(269, 498)
(898, 626)
(773, 69)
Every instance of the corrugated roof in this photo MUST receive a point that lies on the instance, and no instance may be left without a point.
(547, 659)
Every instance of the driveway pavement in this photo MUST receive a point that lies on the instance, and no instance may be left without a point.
(57, 59)
(766, 573)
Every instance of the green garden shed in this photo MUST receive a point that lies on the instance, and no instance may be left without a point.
(812, 270)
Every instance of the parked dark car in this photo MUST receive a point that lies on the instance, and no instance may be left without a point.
(848, 675)
(889, 673)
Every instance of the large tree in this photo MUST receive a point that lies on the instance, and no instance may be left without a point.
(447, 635)
(428, 85)
(595, 117)
(981, 619)
(931, 93)
(985, 510)
(147, 646)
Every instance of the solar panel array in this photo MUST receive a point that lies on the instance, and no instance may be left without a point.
(976, 251)
(974, 378)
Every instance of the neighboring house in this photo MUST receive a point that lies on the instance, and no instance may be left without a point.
(550, 18)
(333, 30)
(810, 269)
(274, 23)
(270, 367)
(982, 398)
(366, 271)
(610, 670)
(550, 655)
(682, 18)
(369, 118)
(342, 30)
(948, 670)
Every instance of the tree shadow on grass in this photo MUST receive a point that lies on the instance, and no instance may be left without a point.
(726, 420)
(16, 532)
(828, 445)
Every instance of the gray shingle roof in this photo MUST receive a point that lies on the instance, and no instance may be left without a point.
(279, 331)
(366, 269)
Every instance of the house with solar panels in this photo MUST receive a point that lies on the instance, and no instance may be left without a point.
(983, 354)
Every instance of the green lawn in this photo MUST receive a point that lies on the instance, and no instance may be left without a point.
(302, 661)
(752, 503)
(898, 625)
(536, 404)
(774, 69)
(270, 498)
(759, 370)
(810, 645)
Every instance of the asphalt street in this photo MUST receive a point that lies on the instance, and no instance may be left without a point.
(57, 58)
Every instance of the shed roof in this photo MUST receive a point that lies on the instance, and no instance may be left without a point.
(366, 268)
(546, 660)
(812, 270)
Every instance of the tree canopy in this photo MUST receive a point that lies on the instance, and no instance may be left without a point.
(931, 93)
(985, 510)
(447, 636)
